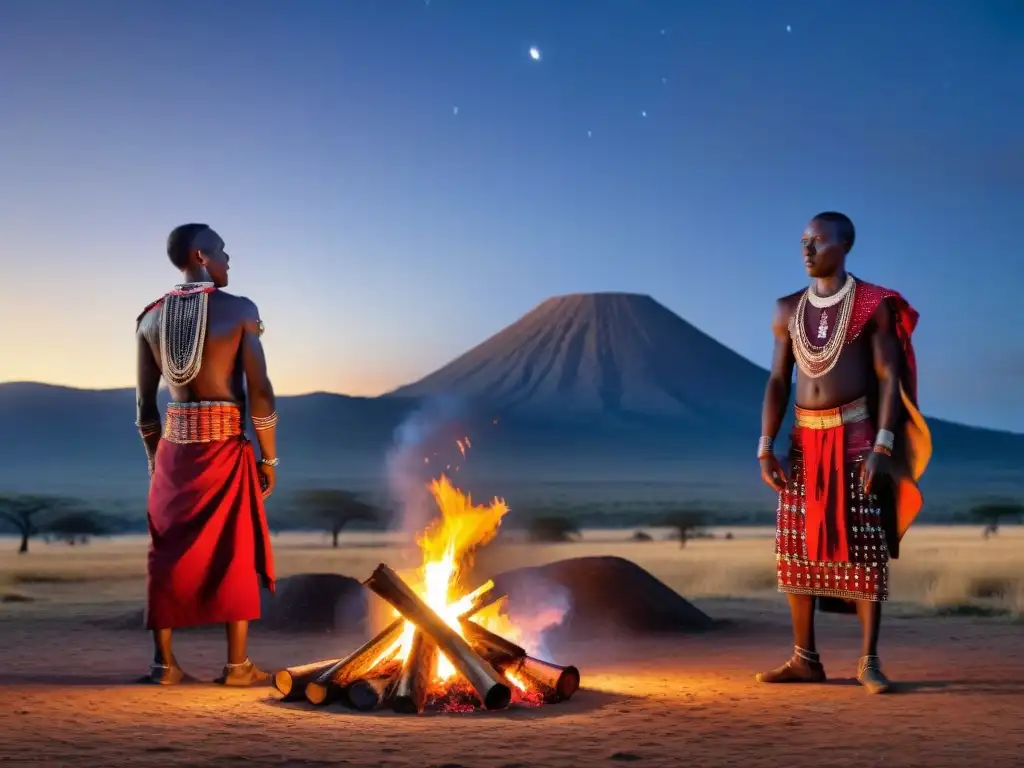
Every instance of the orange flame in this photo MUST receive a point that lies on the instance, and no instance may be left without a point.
(448, 545)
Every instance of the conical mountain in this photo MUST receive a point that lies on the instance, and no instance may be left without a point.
(600, 353)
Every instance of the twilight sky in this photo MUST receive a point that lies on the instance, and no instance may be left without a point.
(398, 179)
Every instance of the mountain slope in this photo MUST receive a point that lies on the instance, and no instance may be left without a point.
(600, 353)
(587, 388)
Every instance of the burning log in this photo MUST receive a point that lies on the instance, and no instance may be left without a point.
(414, 681)
(554, 682)
(292, 682)
(327, 687)
(370, 693)
(494, 693)
(494, 648)
(486, 597)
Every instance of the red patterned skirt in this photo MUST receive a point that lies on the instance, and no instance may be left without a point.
(210, 548)
(830, 540)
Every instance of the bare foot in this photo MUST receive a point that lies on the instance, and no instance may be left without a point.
(796, 670)
(870, 675)
(245, 674)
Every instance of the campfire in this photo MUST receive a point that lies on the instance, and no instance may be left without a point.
(448, 647)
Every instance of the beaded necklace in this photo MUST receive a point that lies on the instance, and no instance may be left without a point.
(815, 361)
(183, 331)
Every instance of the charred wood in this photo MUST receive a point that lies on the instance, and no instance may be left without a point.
(494, 693)
(292, 682)
(411, 692)
(555, 683)
(327, 687)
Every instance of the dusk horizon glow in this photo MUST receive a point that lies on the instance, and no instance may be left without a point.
(397, 182)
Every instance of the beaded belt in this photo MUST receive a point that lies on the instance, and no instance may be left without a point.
(204, 422)
(833, 417)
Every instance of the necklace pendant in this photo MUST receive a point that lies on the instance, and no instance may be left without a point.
(823, 326)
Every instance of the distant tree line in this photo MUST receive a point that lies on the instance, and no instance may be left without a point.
(55, 518)
(73, 521)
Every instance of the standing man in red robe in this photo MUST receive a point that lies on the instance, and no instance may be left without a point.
(858, 448)
(210, 546)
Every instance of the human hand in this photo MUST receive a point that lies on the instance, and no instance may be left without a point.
(772, 472)
(876, 464)
(268, 478)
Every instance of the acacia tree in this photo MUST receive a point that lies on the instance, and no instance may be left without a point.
(335, 509)
(78, 526)
(23, 512)
(686, 522)
(992, 513)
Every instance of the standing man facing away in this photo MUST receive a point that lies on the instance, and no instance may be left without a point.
(210, 547)
(859, 446)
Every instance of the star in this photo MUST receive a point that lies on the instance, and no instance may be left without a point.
(789, 28)
(589, 134)
(455, 110)
(643, 113)
(535, 53)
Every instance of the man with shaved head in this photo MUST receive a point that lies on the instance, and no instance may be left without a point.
(210, 549)
(858, 448)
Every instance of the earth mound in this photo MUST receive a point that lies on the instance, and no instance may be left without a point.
(314, 602)
(600, 596)
(306, 602)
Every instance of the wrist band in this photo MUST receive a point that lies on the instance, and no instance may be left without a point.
(260, 423)
(148, 428)
(879, 448)
(885, 438)
(764, 446)
(270, 462)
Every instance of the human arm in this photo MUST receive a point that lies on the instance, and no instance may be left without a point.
(262, 403)
(776, 396)
(147, 414)
(886, 359)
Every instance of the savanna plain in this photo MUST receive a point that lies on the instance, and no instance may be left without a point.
(953, 639)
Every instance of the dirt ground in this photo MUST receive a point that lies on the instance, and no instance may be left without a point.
(66, 699)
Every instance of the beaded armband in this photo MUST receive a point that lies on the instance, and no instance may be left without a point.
(148, 428)
(765, 445)
(261, 423)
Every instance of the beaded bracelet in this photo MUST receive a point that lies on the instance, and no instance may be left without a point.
(148, 428)
(764, 446)
(261, 423)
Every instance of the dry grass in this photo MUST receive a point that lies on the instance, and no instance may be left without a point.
(946, 569)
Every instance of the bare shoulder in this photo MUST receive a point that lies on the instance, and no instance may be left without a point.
(786, 305)
(788, 302)
(246, 311)
(147, 324)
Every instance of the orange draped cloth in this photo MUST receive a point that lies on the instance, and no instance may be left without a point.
(210, 546)
(913, 449)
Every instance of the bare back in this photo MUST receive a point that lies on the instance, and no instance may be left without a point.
(221, 374)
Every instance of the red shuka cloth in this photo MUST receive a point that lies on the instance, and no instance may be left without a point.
(825, 492)
(210, 546)
(827, 456)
